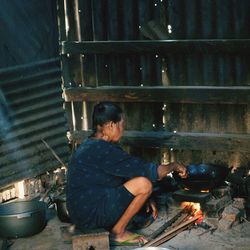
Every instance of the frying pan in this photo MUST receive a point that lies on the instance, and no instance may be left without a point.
(203, 176)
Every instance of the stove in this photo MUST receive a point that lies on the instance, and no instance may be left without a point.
(211, 202)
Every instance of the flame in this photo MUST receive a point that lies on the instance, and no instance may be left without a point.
(194, 207)
(202, 191)
(195, 210)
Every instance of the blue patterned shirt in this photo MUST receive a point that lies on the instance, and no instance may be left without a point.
(98, 165)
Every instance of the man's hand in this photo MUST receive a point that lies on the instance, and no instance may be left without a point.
(181, 170)
(164, 170)
(151, 206)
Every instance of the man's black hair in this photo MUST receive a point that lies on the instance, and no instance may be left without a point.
(105, 112)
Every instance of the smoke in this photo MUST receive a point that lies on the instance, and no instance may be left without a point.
(5, 124)
(9, 143)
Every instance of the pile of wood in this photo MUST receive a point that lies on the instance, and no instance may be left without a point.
(184, 220)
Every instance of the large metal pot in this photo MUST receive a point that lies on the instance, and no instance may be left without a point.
(22, 218)
(203, 176)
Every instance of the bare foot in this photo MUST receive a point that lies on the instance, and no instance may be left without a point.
(129, 237)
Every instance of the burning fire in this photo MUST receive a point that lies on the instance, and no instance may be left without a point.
(202, 191)
(195, 210)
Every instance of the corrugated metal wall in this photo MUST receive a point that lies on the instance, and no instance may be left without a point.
(28, 31)
(210, 20)
(93, 20)
(193, 19)
(31, 110)
(31, 104)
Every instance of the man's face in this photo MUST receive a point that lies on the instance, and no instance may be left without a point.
(117, 130)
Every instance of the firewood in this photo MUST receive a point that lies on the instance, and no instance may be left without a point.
(169, 223)
(181, 219)
(172, 235)
(173, 230)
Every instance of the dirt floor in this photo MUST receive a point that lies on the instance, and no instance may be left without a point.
(237, 237)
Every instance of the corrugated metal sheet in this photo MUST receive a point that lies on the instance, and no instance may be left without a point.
(28, 31)
(225, 19)
(31, 110)
(194, 19)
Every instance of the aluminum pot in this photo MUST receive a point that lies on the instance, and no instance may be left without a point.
(22, 218)
(203, 176)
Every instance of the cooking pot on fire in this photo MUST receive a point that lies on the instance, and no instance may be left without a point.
(203, 176)
(22, 218)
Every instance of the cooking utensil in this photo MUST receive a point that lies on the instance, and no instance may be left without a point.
(203, 176)
(22, 218)
(61, 208)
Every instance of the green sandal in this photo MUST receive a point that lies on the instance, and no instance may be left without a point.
(128, 242)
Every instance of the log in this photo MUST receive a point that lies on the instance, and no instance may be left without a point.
(170, 94)
(184, 217)
(167, 224)
(179, 140)
(173, 230)
(172, 235)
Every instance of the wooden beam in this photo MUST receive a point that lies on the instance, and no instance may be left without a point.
(179, 140)
(171, 94)
(162, 47)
